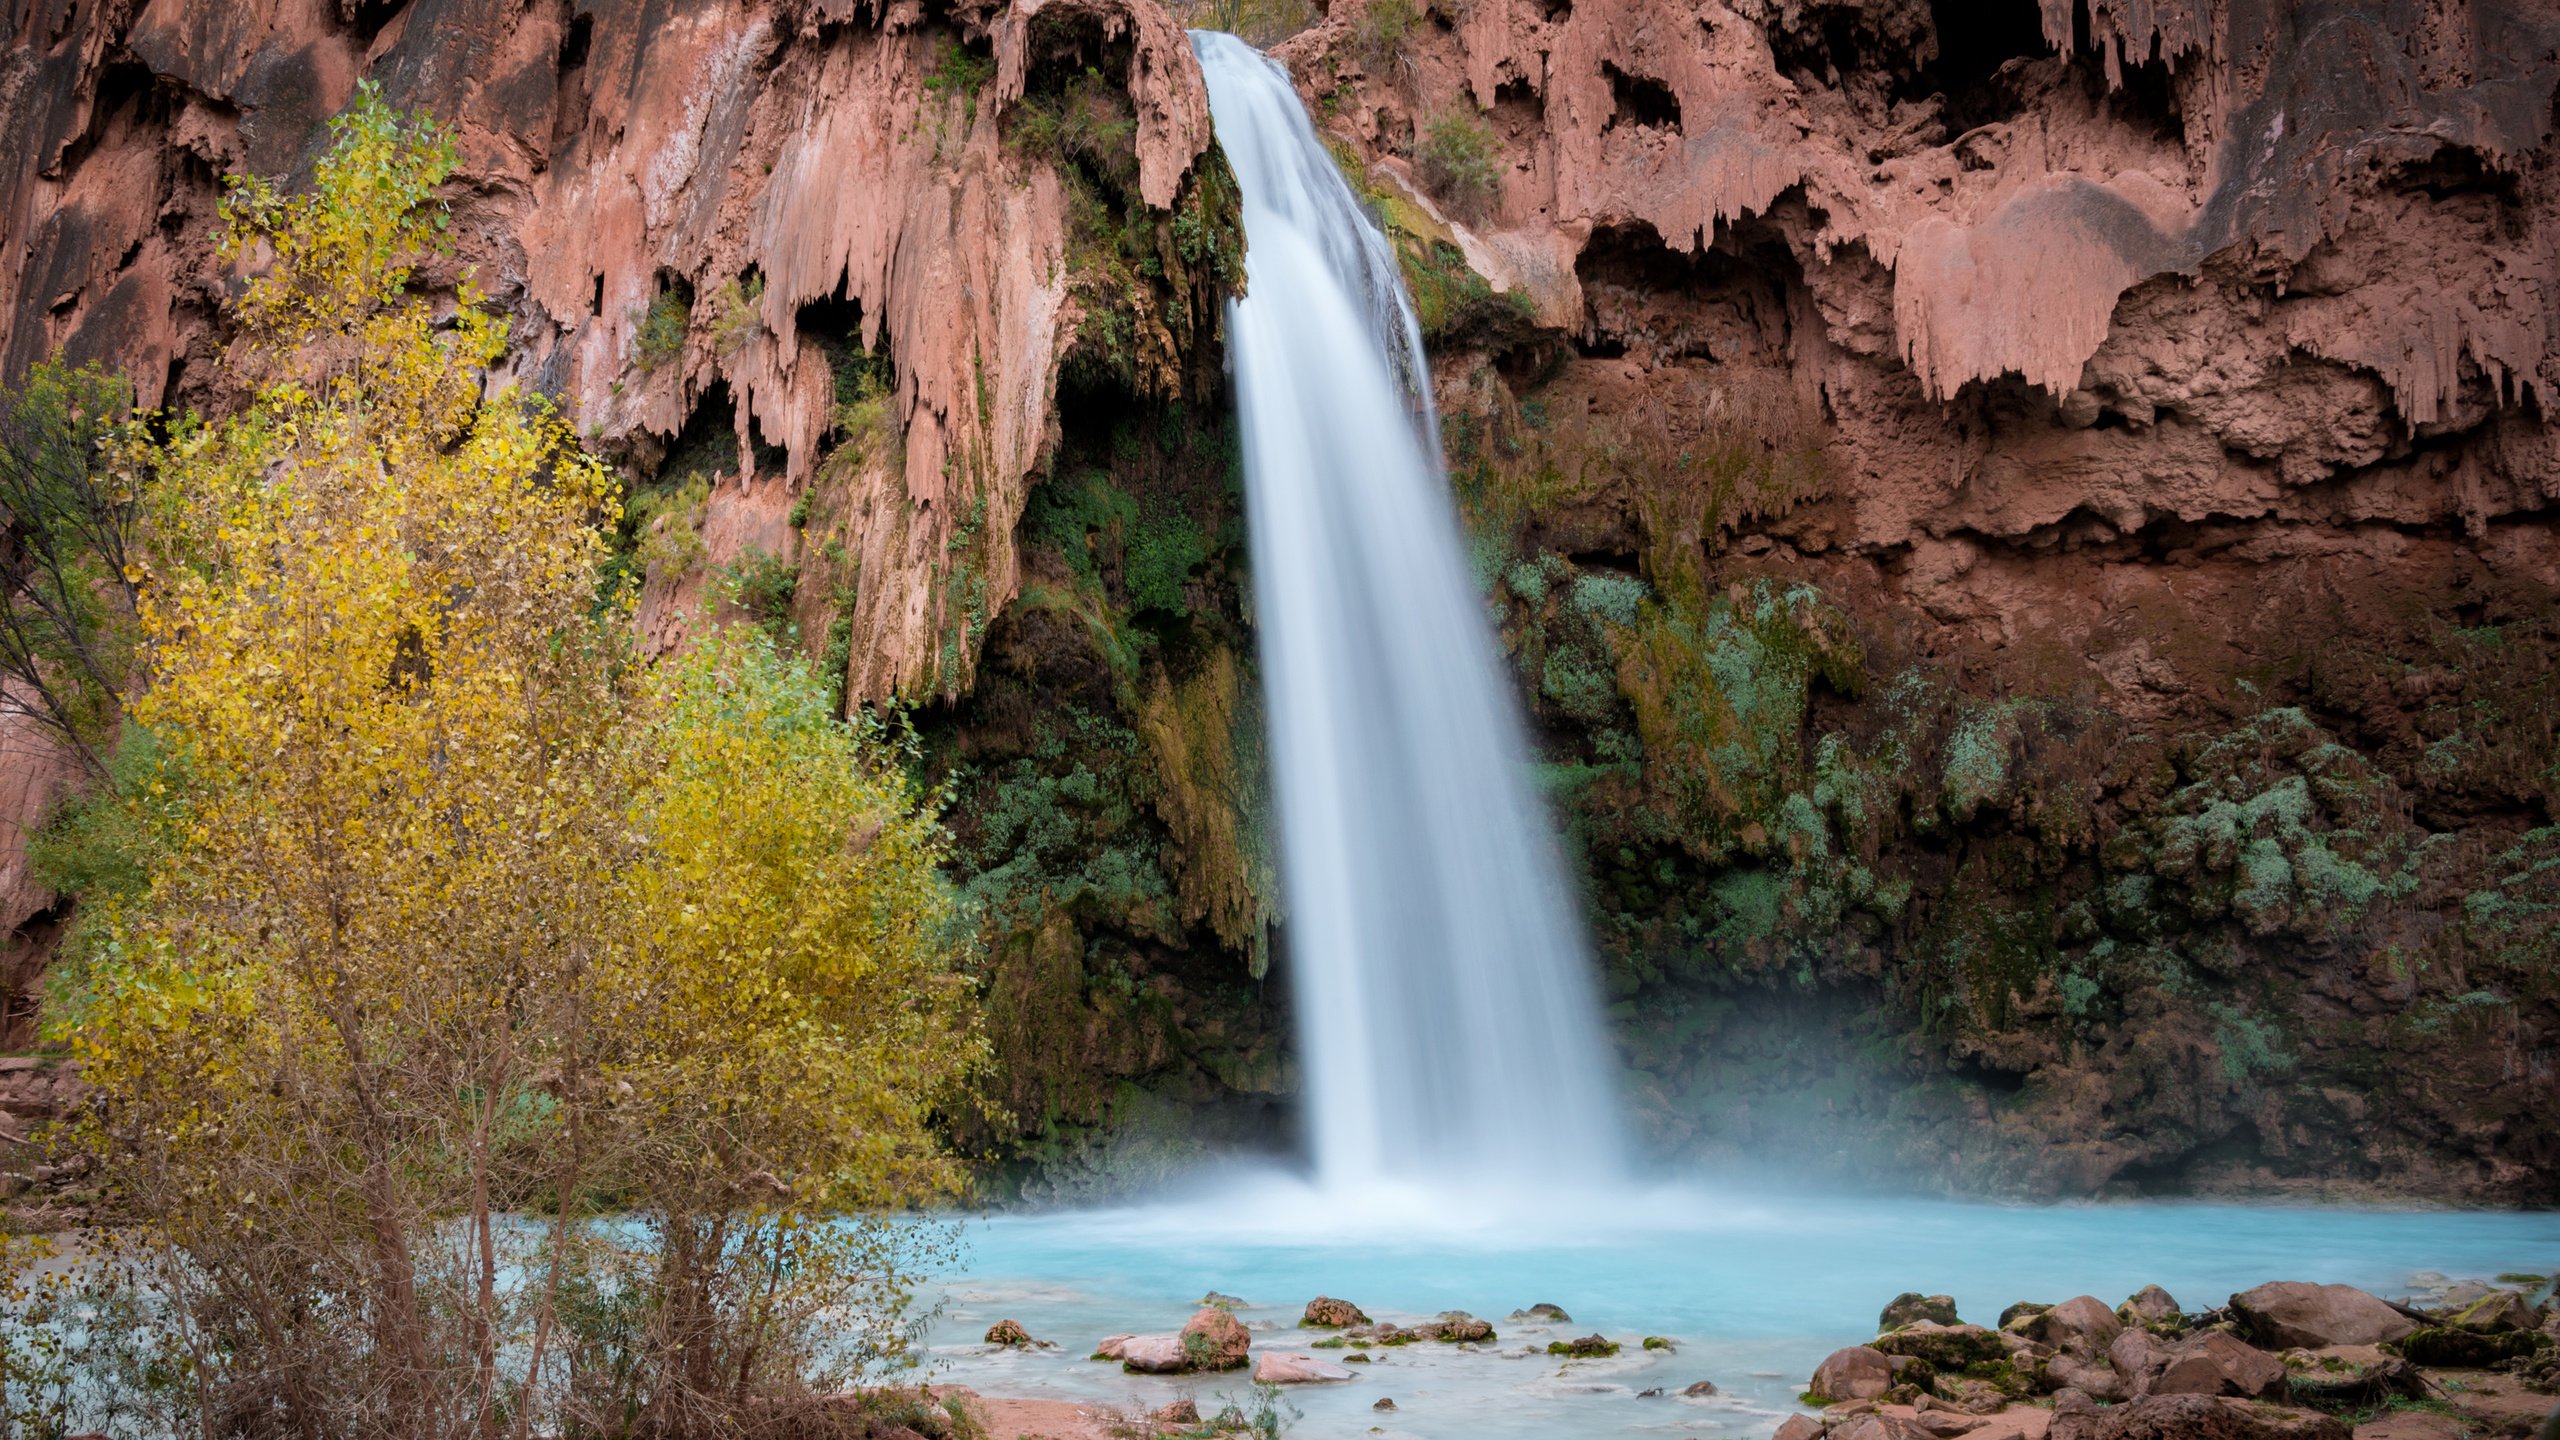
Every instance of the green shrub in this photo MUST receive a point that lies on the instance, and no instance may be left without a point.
(764, 586)
(662, 330)
(1383, 27)
(734, 317)
(1455, 162)
(958, 69)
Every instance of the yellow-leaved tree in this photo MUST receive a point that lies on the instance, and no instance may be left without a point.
(506, 1025)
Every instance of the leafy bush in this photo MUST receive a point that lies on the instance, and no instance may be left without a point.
(734, 318)
(660, 336)
(1383, 27)
(67, 605)
(958, 70)
(1456, 163)
(764, 586)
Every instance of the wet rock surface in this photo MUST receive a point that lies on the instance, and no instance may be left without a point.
(2079, 1375)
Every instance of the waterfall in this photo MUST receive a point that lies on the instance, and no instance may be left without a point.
(1448, 1028)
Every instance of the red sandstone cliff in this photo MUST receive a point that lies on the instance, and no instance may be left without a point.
(2144, 368)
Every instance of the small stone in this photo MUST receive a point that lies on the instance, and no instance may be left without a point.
(1181, 1412)
(1589, 1347)
(1661, 1342)
(1652, 1394)
(1699, 1390)
(1010, 1334)
(1384, 1404)
(1356, 1357)
(1222, 1301)
(1326, 1313)
(1551, 1314)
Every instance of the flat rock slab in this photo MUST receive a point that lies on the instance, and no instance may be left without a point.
(1281, 1367)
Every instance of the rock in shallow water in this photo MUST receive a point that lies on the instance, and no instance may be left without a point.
(1010, 1334)
(1280, 1367)
(1326, 1313)
(1216, 1340)
(1148, 1354)
(1551, 1314)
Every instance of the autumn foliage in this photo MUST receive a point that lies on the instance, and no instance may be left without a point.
(505, 1033)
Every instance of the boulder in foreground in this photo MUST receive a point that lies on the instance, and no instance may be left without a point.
(2290, 1314)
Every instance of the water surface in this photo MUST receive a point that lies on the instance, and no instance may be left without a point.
(1755, 1287)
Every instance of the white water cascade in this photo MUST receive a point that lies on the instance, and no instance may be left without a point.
(1448, 1028)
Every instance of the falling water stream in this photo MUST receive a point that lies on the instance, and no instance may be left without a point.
(1447, 1023)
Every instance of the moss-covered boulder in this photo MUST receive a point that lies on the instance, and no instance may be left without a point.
(1589, 1347)
(2451, 1347)
(1326, 1313)
(1911, 1305)
(1948, 1348)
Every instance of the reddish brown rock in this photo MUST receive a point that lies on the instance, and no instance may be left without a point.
(2192, 1417)
(2216, 1364)
(1856, 1373)
(2288, 1313)
(2081, 1326)
(1216, 1340)
(1152, 1355)
(1326, 1313)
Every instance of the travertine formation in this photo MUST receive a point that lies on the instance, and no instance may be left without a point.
(614, 154)
(2029, 526)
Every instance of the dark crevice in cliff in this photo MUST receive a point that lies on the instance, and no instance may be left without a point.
(571, 100)
(1976, 40)
(1640, 100)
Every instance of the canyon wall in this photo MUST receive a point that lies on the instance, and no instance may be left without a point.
(2027, 529)
(2030, 531)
